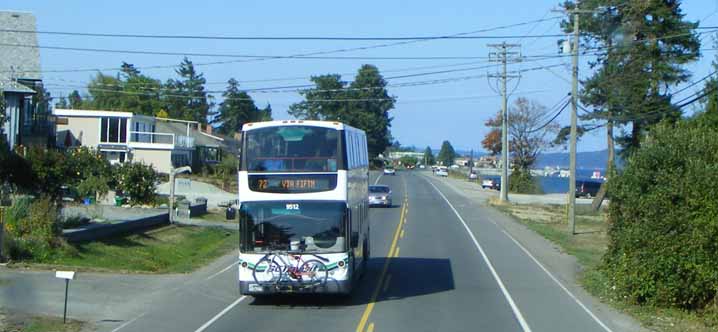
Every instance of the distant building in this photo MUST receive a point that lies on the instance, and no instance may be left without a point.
(396, 155)
(28, 118)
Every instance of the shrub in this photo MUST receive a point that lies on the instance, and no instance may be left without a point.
(664, 219)
(88, 172)
(136, 181)
(36, 233)
(50, 171)
(521, 182)
(92, 186)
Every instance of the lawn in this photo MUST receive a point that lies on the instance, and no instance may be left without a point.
(170, 249)
(588, 246)
(26, 323)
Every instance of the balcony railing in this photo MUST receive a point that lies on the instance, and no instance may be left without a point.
(184, 141)
(142, 138)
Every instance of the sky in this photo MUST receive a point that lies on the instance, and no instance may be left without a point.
(425, 115)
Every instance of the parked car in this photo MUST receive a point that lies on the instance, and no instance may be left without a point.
(422, 166)
(389, 171)
(491, 183)
(441, 172)
(587, 189)
(473, 176)
(380, 195)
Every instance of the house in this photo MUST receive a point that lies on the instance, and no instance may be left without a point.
(125, 137)
(119, 136)
(26, 108)
(195, 146)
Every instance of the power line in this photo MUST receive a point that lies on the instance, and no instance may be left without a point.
(551, 120)
(299, 88)
(312, 53)
(245, 56)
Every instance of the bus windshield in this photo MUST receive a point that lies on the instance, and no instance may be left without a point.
(292, 226)
(292, 148)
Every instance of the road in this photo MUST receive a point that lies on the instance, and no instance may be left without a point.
(440, 263)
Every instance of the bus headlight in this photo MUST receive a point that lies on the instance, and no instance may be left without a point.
(341, 263)
(244, 265)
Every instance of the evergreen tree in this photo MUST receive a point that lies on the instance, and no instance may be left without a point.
(75, 100)
(186, 97)
(428, 157)
(323, 102)
(370, 108)
(365, 104)
(106, 93)
(140, 93)
(236, 109)
(446, 154)
(646, 44)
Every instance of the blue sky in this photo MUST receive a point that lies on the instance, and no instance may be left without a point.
(424, 115)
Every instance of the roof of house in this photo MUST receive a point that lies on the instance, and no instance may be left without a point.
(18, 62)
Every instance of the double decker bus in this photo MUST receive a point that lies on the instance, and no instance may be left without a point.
(303, 207)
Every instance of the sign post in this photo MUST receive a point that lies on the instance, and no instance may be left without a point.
(67, 275)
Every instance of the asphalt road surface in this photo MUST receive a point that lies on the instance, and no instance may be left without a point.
(440, 263)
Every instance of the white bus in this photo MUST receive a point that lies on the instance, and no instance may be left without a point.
(303, 196)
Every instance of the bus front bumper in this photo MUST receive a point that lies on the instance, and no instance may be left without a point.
(331, 287)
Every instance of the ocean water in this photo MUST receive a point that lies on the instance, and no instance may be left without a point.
(555, 185)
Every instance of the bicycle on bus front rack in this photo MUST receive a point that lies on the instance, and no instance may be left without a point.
(288, 270)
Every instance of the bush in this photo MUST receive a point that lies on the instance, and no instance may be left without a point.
(136, 181)
(88, 171)
(664, 220)
(36, 233)
(521, 182)
(50, 171)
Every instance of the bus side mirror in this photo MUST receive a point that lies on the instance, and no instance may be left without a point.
(354, 240)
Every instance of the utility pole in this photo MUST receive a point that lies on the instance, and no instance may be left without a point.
(572, 145)
(504, 56)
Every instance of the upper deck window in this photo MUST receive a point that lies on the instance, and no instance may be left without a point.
(292, 149)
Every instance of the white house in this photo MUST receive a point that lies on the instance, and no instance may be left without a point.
(119, 136)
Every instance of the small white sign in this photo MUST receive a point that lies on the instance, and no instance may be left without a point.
(65, 275)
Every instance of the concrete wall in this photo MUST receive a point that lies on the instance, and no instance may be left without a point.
(161, 160)
(145, 220)
(84, 130)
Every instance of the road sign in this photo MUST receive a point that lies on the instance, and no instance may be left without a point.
(67, 276)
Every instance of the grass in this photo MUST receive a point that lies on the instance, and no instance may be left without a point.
(26, 323)
(216, 217)
(588, 246)
(171, 249)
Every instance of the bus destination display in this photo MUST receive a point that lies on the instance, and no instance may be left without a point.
(292, 183)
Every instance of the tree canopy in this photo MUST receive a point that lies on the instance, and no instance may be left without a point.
(446, 154)
(428, 156)
(238, 108)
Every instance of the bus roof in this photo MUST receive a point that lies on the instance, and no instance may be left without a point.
(279, 123)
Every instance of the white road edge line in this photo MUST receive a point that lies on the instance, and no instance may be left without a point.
(222, 271)
(595, 318)
(378, 178)
(514, 308)
(127, 323)
(220, 314)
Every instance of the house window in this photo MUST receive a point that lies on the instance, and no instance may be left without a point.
(113, 130)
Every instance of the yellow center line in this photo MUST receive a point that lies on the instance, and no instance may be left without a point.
(396, 252)
(372, 301)
(370, 328)
(402, 234)
(386, 283)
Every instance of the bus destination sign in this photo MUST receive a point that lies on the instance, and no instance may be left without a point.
(292, 183)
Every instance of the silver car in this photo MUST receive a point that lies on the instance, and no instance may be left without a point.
(380, 195)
